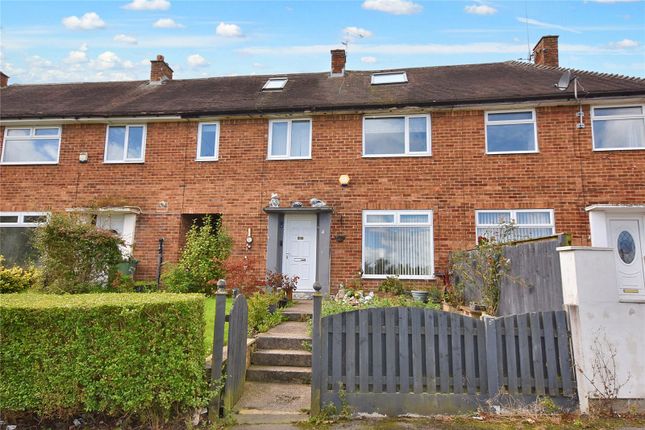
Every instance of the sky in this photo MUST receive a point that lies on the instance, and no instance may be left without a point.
(76, 41)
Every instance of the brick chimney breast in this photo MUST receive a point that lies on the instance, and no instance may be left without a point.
(4, 80)
(545, 52)
(160, 70)
(338, 60)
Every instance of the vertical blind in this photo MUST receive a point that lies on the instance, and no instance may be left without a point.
(528, 224)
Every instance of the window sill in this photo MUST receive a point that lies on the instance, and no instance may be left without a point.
(641, 148)
(512, 152)
(287, 158)
(28, 163)
(397, 155)
(201, 160)
(403, 278)
(124, 162)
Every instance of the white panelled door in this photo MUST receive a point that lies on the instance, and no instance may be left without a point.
(626, 236)
(299, 250)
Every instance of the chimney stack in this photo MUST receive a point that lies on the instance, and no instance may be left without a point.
(545, 52)
(4, 80)
(160, 70)
(338, 59)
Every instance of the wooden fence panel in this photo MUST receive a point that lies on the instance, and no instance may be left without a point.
(236, 352)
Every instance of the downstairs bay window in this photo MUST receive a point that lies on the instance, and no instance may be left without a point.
(398, 243)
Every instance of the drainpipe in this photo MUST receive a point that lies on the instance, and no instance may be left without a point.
(159, 262)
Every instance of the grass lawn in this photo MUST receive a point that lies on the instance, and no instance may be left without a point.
(209, 322)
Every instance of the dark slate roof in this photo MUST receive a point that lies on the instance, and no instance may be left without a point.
(427, 86)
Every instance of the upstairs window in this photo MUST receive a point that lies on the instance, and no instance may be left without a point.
(31, 145)
(511, 132)
(208, 141)
(389, 78)
(618, 128)
(289, 139)
(275, 84)
(398, 243)
(519, 224)
(125, 144)
(395, 136)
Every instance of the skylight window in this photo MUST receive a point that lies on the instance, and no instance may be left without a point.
(275, 84)
(389, 78)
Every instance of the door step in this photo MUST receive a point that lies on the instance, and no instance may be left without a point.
(291, 374)
(281, 357)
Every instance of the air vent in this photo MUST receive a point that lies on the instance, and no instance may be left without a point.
(389, 78)
(275, 84)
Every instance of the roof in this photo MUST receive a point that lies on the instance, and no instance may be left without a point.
(510, 81)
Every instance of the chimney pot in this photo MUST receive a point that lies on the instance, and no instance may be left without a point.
(545, 52)
(4, 80)
(160, 70)
(338, 60)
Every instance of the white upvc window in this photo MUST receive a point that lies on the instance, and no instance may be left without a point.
(125, 144)
(395, 136)
(31, 145)
(398, 243)
(519, 224)
(511, 132)
(289, 139)
(208, 141)
(16, 229)
(618, 128)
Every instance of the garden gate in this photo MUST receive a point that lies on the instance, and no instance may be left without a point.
(414, 360)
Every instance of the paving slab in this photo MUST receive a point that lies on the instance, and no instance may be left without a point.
(271, 397)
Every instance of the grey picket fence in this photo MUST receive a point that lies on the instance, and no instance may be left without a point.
(234, 371)
(412, 360)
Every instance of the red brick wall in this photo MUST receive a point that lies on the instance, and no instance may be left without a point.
(455, 181)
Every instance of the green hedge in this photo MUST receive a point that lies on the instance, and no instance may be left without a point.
(117, 354)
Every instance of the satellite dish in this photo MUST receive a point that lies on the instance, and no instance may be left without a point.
(564, 81)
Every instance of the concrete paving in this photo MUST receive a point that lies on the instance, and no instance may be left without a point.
(271, 405)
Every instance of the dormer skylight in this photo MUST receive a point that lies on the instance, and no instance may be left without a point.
(275, 84)
(389, 78)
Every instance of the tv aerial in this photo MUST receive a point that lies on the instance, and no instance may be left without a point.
(563, 84)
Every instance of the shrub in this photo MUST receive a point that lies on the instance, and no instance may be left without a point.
(116, 354)
(200, 262)
(393, 285)
(263, 312)
(240, 274)
(16, 279)
(76, 256)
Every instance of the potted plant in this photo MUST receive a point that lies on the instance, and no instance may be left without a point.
(283, 284)
(420, 294)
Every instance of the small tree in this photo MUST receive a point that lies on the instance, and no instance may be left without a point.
(483, 268)
(207, 245)
(76, 256)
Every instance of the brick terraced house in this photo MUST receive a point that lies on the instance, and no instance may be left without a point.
(429, 159)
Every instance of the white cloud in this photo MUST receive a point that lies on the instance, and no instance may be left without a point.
(395, 7)
(196, 60)
(148, 5)
(368, 60)
(228, 30)
(480, 9)
(625, 44)
(77, 56)
(109, 60)
(166, 23)
(124, 38)
(356, 32)
(89, 21)
(542, 24)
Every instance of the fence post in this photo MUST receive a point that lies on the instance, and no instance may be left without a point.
(316, 343)
(218, 346)
(490, 331)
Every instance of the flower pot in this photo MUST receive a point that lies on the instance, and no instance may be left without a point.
(421, 296)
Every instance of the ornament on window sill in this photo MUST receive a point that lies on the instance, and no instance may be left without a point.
(296, 204)
(317, 203)
(275, 201)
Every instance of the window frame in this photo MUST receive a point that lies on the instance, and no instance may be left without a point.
(607, 118)
(513, 216)
(512, 122)
(125, 144)
(289, 121)
(215, 157)
(21, 219)
(268, 84)
(403, 80)
(32, 136)
(406, 137)
(397, 223)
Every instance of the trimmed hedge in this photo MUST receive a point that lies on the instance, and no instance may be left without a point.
(115, 354)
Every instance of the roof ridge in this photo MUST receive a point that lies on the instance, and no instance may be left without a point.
(586, 72)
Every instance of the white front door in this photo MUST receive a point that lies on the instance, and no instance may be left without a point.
(299, 250)
(626, 236)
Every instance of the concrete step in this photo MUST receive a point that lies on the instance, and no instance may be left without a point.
(265, 341)
(301, 310)
(295, 315)
(281, 357)
(247, 417)
(278, 374)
